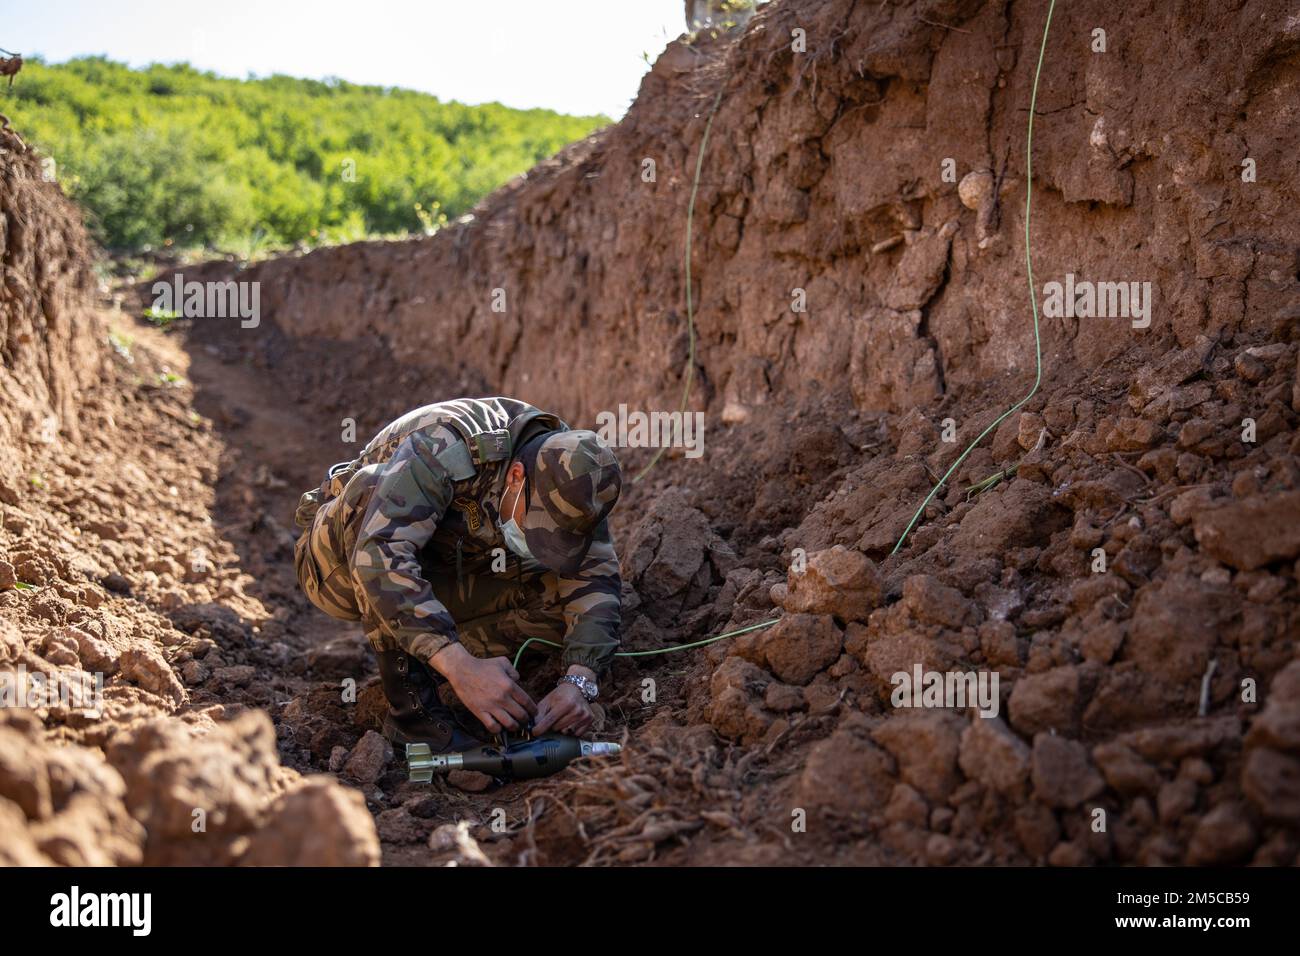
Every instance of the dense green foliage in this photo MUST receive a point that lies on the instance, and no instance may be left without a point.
(171, 155)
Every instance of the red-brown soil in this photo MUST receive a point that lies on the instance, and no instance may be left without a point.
(1163, 691)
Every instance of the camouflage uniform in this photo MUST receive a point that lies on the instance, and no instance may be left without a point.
(406, 537)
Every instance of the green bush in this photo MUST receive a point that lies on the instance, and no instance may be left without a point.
(171, 155)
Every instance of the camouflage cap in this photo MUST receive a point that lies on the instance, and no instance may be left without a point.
(575, 481)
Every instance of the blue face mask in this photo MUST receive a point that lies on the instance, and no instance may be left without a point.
(513, 534)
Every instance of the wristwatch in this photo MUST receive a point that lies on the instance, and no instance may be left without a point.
(585, 684)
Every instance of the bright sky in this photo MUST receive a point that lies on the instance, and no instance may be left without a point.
(575, 56)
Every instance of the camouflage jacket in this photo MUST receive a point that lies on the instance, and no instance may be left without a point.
(428, 486)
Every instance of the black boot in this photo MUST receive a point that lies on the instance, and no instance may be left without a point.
(415, 713)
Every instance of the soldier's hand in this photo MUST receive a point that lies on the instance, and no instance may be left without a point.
(564, 710)
(490, 689)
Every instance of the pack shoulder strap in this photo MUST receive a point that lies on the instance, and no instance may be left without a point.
(456, 458)
(482, 446)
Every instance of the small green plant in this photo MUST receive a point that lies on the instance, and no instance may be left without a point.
(724, 15)
(161, 317)
(36, 481)
(258, 244)
(431, 219)
(24, 586)
(168, 377)
(977, 489)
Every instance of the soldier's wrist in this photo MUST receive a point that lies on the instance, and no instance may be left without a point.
(450, 660)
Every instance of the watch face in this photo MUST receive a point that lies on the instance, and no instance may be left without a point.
(590, 689)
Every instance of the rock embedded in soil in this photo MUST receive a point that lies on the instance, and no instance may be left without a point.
(317, 824)
(1177, 739)
(671, 556)
(783, 698)
(338, 757)
(735, 707)
(470, 781)
(906, 805)
(1271, 780)
(993, 755)
(1124, 770)
(95, 652)
(1036, 828)
(237, 675)
(145, 666)
(925, 745)
(18, 848)
(976, 188)
(369, 758)
(897, 645)
(23, 776)
(1224, 836)
(1021, 516)
(209, 793)
(1278, 724)
(1175, 626)
(846, 775)
(1250, 534)
(1270, 775)
(929, 601)
(1062, 774)
(800, 646)
(1051, 700)
(397, 825)
(1175, 800)
(838, 581)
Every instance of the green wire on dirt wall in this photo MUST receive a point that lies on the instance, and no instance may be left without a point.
(1033, 300)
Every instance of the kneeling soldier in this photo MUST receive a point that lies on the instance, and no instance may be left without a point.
(460, 531)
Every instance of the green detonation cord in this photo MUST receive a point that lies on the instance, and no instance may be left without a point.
(690, 310)
(686, 395)
(1033, 299)
(662, 650)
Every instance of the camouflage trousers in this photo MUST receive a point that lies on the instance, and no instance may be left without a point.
(496, 613)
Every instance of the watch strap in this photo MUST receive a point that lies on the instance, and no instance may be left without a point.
(582, 683)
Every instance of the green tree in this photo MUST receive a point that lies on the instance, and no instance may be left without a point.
(169, 153)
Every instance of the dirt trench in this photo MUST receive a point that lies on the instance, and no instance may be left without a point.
(1121, 553)
(187, 602)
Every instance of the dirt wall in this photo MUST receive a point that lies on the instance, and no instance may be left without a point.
(49, 334)
(113, 579)
(825, 173)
